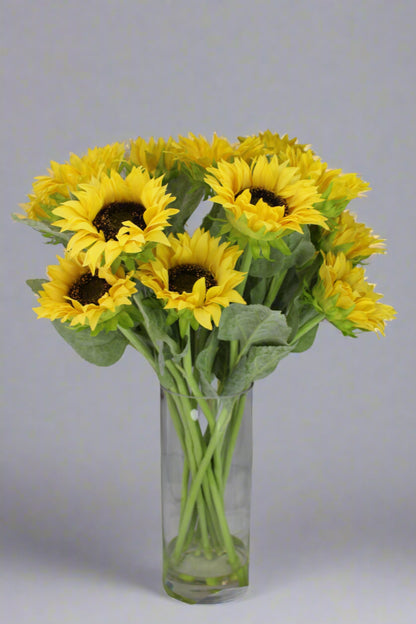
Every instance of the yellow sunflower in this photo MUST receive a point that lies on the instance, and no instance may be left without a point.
(273, 143)
(115, 215)
(199, 150)
(354, 239)
(148, 154)
(347, 299)
(63, 179)
(195, 273)
(344, 185)
(77, 295)
(264, 200)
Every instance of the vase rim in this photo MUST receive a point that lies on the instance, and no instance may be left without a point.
(206, 396)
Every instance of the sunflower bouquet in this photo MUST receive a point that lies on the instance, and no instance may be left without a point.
(213, 310)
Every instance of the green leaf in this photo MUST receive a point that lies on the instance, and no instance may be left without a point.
(46, 229)
(101, 350)
(300, 312)
(259, 362)
(189, 194)
(214, 220)
(306, 341)
(155, 322)
(36, 284)
(205, 363)
(256, 289)
(299, 250)
(253, 325)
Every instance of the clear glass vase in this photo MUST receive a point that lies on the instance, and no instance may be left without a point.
(206, 447)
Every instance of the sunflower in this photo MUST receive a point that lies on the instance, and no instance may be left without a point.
(345, 186)
(63, 179)
(263, 201)
(347, 299)
(115, 215)
(273, 143)
(77, 295)
(199, 150)
(354, 239)
(338, 184)
(148, 154)
(194, 273)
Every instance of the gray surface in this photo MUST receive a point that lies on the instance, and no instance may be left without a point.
(334, 510)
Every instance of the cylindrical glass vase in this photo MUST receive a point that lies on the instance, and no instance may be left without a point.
(206, 446)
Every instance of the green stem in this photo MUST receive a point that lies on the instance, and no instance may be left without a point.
(235, 429)
(244, 268)
(307, 327)
(195, 488)
(274, 288)
(136, 342)
(233, 353)
(189, 445)
(188, 365)
(196, 447)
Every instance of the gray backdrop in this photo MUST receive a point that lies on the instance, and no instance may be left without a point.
(333, 521)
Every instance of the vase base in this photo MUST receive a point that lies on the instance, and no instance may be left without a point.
(200, 580)
(202, 595)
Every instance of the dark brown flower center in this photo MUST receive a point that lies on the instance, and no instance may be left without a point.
(183, 277)
(267, 196)
(88, 289)
(110, 218)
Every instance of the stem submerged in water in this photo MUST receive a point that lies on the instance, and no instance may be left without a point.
(203, 531)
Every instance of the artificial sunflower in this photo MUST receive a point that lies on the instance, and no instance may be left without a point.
(77, 295)
(116, 215)
(347, 300)
(64, 179)
(195, 273)
(273, 143)
(354, 239)
(333, 182)
(263, 201)
(345, 186)
(150, 154)
(197, 149)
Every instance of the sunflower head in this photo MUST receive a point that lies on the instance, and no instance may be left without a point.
(273, 143)
(152, 154)
(263, 201)
(83, 298)
(347, 299)
(64, 179)
(114, 215)
(197, 149)
(196, 275)
(354, 239)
